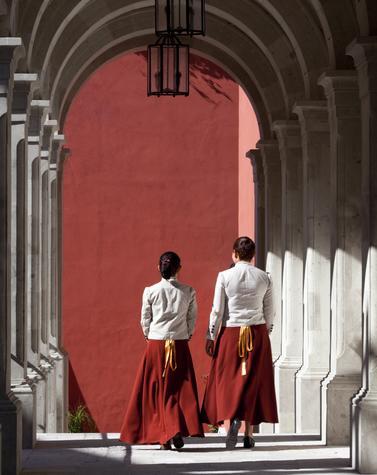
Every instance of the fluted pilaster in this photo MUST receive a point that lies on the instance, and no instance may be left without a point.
(344, 378)
(289, 137)
(314, 123)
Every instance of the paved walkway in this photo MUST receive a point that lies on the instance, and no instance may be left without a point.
(102, 454)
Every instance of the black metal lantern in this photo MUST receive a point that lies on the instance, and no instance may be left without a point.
(168, 67)
(180, 17)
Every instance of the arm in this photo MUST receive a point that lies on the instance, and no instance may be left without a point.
(146, 313)
(268, 305)
(191, 313)
(218, 306)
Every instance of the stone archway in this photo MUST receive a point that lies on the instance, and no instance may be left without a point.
(314, 96)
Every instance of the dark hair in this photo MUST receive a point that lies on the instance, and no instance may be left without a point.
(169, 264)
(245, 248)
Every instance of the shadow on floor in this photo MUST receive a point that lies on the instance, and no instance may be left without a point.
(102, 440)
(103, 455)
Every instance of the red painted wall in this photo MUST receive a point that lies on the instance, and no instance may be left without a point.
(248, 136)
(146, 175)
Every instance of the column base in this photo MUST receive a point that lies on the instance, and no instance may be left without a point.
(265, 428)
(365, 428)
(26, 395)
(62, 392)
(337, 393)
(285, 376)
(42, 394)
(308, 400)
(11, 430)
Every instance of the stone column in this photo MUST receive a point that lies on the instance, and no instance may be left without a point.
(344, 379)
(289, 138)
(364, 52)
(57, 143)
(259, 213)
(37, 114)
(23, 85)
(55, 357)
(62, 363)
(314, 122)
(10, 415)
(46, 365)
(272, 173)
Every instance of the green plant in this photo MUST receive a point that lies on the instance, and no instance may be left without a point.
(79, 420)
(213, 428)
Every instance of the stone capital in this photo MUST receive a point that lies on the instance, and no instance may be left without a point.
(58, 141)
(342, 80)
(255, 157)
(38, 112)
(363, 51)
(24, 84)
(288, 133)
(313, 115)
(270, 153)
(8, 49)
(64, 154)
(342, 93)
(48, 130)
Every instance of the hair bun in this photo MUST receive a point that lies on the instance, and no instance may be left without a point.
(169, 264)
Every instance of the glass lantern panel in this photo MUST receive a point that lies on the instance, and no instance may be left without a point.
(183, 66)
(195, 15)
(169, 69)
(161, 15)
(178, 14)
(154, 72)
(181, 17)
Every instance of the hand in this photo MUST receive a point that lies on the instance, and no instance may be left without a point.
(210, 346)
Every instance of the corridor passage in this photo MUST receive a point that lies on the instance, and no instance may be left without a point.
(101, 454)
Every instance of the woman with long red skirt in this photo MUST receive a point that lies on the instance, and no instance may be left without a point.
(240, 385)
(164, 402)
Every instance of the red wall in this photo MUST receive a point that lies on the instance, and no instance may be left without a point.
(248, 136)
(146, 175)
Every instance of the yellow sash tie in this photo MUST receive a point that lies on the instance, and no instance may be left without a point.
(170, 357)
(245, 345)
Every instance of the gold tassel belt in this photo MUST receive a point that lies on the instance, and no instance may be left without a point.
(170, 356)
(245, 345)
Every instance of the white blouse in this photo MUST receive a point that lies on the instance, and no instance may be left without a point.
(169, 310)
(243, 296)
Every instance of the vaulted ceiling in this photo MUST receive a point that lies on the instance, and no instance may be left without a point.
(275, 49)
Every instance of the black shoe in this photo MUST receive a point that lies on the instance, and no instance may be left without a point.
(166, 446)
(248, 442)
(178, 442)
(231, 437)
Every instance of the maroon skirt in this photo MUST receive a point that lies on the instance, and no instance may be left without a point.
(161, 407)
(229, 394)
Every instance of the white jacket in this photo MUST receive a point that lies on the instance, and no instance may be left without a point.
(169, 311)
(243, 296)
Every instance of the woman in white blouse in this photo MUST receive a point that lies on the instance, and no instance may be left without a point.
(240, 385)
(164, 402)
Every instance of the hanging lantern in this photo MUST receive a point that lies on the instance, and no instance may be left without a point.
(168, 67)
(180, 17)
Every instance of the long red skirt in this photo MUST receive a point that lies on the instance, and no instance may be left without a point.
(229, 395)
(161, 407)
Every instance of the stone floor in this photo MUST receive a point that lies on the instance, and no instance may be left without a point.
(97, 454)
